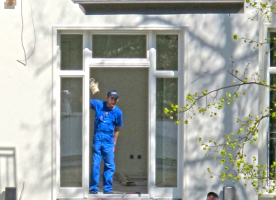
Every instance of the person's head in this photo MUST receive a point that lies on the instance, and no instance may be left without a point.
(112, 98)
(212, 196)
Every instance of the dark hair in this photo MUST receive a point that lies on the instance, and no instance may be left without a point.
(213, 194)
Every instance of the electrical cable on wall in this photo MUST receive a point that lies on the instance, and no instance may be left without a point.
(24, 62)
(22, 191)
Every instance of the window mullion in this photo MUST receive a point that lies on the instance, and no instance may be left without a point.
(73, 73)
(272, 70)
(166, 74)
(126, 62)
(87, 55)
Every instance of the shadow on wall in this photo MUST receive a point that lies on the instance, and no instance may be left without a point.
(210, 54)
(7, 169)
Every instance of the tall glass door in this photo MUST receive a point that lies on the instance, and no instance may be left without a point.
(165, 78)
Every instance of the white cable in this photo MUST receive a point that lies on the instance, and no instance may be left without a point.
(24, 62)
(22, 191)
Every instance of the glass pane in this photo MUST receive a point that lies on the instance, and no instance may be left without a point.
(71, 133)
(119, 46)
(167, 52)
(166, 134)
(272, 127)
(71, 52)
(273, 49)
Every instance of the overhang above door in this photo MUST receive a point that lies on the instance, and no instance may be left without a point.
(111, 7)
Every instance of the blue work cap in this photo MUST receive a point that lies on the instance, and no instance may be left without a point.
(113, 93)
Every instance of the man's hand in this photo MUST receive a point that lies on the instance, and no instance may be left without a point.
(116, 133)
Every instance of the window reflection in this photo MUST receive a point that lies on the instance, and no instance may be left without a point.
(166, 134)
(273, 49)
(272, 127)
(71, 52)
(167, 52)
(71, 133)
(119, 46)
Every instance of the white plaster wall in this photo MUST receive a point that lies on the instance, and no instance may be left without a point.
(26, 91)
(211, 51)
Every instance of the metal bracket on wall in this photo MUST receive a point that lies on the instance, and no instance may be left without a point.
(9, 4)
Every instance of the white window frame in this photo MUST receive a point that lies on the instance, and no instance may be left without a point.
(158, 192)
(149, 62)
(264, 96)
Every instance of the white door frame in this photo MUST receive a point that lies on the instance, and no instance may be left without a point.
(148, 62)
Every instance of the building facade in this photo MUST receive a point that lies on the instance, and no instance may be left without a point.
(154, 53)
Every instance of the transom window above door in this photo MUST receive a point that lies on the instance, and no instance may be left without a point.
(119, 46)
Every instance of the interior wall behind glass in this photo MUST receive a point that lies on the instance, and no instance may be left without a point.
(119, 46)
(71, 52)
(71, 133)
(132, 85)
(166, 133)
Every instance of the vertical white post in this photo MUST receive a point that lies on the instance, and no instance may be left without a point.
(181, 90)
(55, 115)
(152, 113)
(264, 98)
(87, 55)
(2, 173)
(185, 85)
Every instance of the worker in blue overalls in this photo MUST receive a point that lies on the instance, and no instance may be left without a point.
(108, 119)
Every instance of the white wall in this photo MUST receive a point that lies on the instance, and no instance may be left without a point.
(26, 91)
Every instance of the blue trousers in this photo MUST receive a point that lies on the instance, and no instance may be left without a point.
(103, 145)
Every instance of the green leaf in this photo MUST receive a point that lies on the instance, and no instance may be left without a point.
(263, 5)
(235, 36)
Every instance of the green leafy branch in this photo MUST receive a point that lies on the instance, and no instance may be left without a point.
(231, 153)
(256, 43)
(262, 9)
(211, 102)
